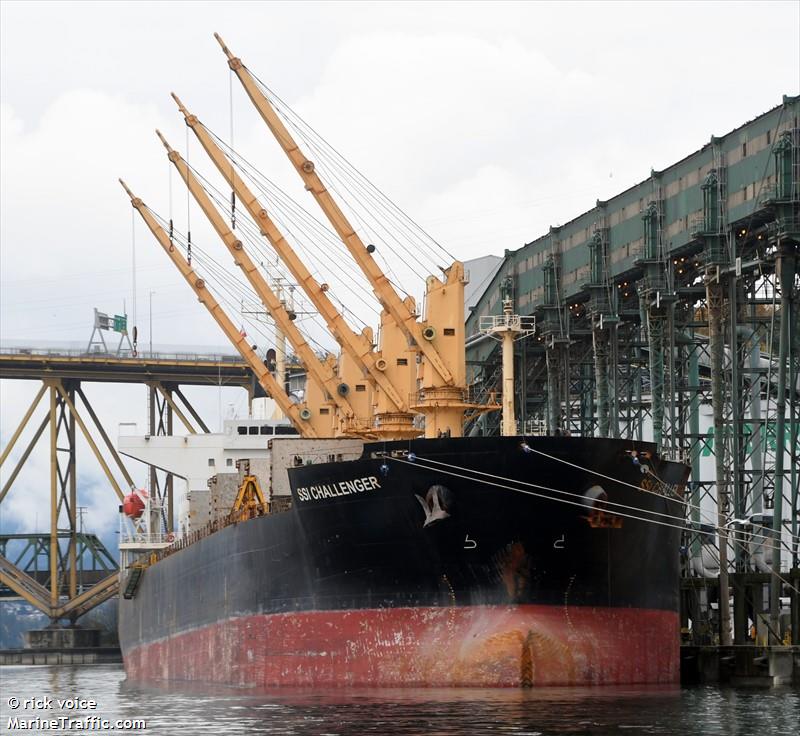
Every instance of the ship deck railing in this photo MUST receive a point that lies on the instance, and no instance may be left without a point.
(190, 538)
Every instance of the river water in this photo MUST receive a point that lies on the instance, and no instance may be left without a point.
(185, 712)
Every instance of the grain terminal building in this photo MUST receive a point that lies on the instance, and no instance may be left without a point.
(671, 313)
(642, 254)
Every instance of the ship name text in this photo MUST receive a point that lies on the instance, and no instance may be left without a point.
(342, 488)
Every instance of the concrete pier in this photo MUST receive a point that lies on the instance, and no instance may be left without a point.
(72, 637)
(68, 645)
(740, 665)
(92, 655)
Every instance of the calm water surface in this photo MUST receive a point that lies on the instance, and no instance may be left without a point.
(185, 712)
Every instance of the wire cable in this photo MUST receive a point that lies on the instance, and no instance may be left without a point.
(689, 505)
(677, 499)
(286, 112)
(581, 504)
(249, 170)
(235, 288)
(250, 234)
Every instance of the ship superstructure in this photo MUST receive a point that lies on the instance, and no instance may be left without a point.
(194, 459)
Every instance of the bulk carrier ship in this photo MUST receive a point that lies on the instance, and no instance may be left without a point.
(406, 567)
(369, 555)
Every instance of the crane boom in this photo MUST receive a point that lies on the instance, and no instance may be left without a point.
(384, 291)
(268, 383)
(359, 348)
(320, 371)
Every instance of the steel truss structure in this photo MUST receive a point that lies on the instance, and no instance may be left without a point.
(66, 573)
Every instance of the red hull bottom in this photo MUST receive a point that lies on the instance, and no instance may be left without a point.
(496, 646)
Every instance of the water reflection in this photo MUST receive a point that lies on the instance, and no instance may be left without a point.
(341, 712)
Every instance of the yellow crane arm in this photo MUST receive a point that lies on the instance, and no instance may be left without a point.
(357, 346)
(320, 371)
(268, 383)
(384, 291)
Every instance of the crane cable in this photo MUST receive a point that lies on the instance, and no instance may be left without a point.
(256, 241)
(691, 506)
(188, 209)
(286, 111)
(233, 170)
(676, 498)
(227, 280)
(285, 203)
(336, 182)
(249, 170)
(353, 188)
(322, 152)
(235, 288)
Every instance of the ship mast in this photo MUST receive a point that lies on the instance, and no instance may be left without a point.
(318, 371)
(358, 346)
(508, 328)
(443, 385)
(298, 416)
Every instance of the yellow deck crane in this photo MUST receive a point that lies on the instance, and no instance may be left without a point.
(331, 394)
(298, 415)
(395, 420)
(440, 337)
(250, 500)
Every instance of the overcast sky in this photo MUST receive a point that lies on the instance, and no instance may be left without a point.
(486, 122)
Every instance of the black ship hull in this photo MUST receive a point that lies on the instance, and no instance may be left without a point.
(469, 561)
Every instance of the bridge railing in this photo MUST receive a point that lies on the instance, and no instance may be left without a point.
(141, 356)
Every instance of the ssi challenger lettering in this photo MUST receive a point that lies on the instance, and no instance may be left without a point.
(342, 488)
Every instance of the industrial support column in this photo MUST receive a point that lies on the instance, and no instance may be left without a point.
(786, 266)
(554, 364)
(654, 298)
(787, 205)
(53, 496)
(599, 342)
(556, 340)
(655, 344)
(602, 306)
(794, 461)
(63, 492)
(613, 384)
(694, 433)
(716, 301)
(72, 511)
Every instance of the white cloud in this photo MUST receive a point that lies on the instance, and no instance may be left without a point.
(565, 103)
